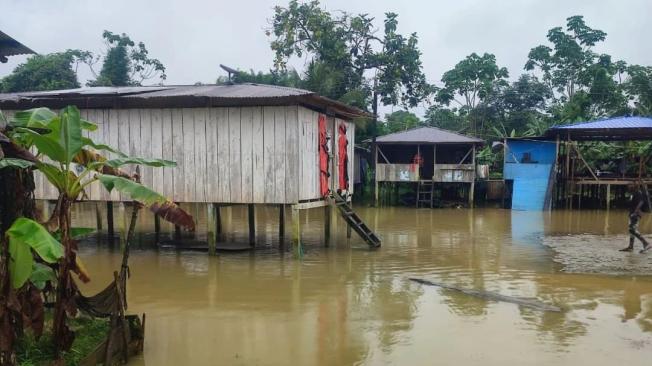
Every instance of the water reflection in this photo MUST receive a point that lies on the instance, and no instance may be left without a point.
(347, 305)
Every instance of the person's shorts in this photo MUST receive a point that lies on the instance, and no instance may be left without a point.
(634, 219)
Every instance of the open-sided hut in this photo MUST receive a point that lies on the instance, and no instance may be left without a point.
(577, 178)
(427, 156)
(234, 144)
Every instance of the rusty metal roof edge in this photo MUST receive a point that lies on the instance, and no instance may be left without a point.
(23, 50)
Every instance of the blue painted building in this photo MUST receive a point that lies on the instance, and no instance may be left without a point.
(529, 170)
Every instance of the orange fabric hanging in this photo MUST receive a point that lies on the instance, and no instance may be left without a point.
(343, 163)
(324, 174)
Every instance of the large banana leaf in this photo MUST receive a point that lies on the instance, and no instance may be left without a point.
(157, 203)
(118, 162)
(62, 180)
(15, 163)
(24, 236)
(40, 118)
(33, 118)
(64, 139)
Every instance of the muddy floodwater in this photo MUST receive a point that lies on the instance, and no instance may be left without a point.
(348, 305)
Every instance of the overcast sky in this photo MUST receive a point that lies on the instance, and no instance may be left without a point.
(192, 37)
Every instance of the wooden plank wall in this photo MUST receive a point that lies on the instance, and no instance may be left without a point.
(223, 155)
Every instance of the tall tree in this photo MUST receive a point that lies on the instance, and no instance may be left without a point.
(565, 65)
(44, 72)
(126, 63)
(347, 51)
(470, 83)
(638, 86)
(401, 121)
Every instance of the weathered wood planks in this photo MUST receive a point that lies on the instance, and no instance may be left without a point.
(223, 155)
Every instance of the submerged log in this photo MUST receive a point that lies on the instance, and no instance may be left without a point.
(528, 303)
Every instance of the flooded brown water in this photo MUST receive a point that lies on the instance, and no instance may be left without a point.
(347, 305)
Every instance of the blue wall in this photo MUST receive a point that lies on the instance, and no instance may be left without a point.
(531, 179)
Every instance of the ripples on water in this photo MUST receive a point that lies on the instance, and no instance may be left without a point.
(346, 305)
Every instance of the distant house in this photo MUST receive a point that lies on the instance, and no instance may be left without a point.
(11, 47)
(427, 156)
(529, 173)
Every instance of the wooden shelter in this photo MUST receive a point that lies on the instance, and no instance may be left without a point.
(233, 144)
(576, 178)
(427, 156)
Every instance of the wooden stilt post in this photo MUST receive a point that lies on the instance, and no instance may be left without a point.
(348, 227)
(123, 225)
(98, 217)
(252, 225)
(210, 228)
(327, 224)
(296, 232)
(157, 228)
(177, 231)
(472, 190)
(109, 221)
(218, 222)
(608, 198)
(281, 225)
(375, 176)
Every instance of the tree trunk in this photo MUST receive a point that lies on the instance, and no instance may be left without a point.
(63, 336)
(16, 200)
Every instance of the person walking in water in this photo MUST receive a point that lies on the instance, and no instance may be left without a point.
(638, 204)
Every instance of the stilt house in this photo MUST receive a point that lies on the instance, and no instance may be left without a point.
(234, 144)
(427, 156)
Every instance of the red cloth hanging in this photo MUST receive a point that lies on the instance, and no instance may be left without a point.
(343, 163)
(324, 174)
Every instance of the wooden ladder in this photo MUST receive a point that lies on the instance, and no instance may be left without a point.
(425, 192)
(354, 220)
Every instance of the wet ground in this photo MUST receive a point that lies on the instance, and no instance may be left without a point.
(347, 305)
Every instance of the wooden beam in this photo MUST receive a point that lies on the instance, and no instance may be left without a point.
(311, 204)
(328, 213)
(383, 155)
(281, 225)
(252, 225)
(210, 228)
(585, 163)
(296, 232)
(109, 221)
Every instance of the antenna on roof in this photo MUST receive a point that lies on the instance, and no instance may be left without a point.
(230, 71)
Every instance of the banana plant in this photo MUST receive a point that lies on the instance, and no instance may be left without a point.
(59, 138)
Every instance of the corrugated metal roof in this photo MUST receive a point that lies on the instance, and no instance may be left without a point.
(427, 135)
(618, 122)
(180, 96)
(612, 129)
(11, 47)
(236, 91)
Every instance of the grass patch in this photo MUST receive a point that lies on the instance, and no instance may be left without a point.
(88, 335)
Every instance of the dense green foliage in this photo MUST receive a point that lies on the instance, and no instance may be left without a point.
(348, 58)
(126, 63)
(42, 72)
